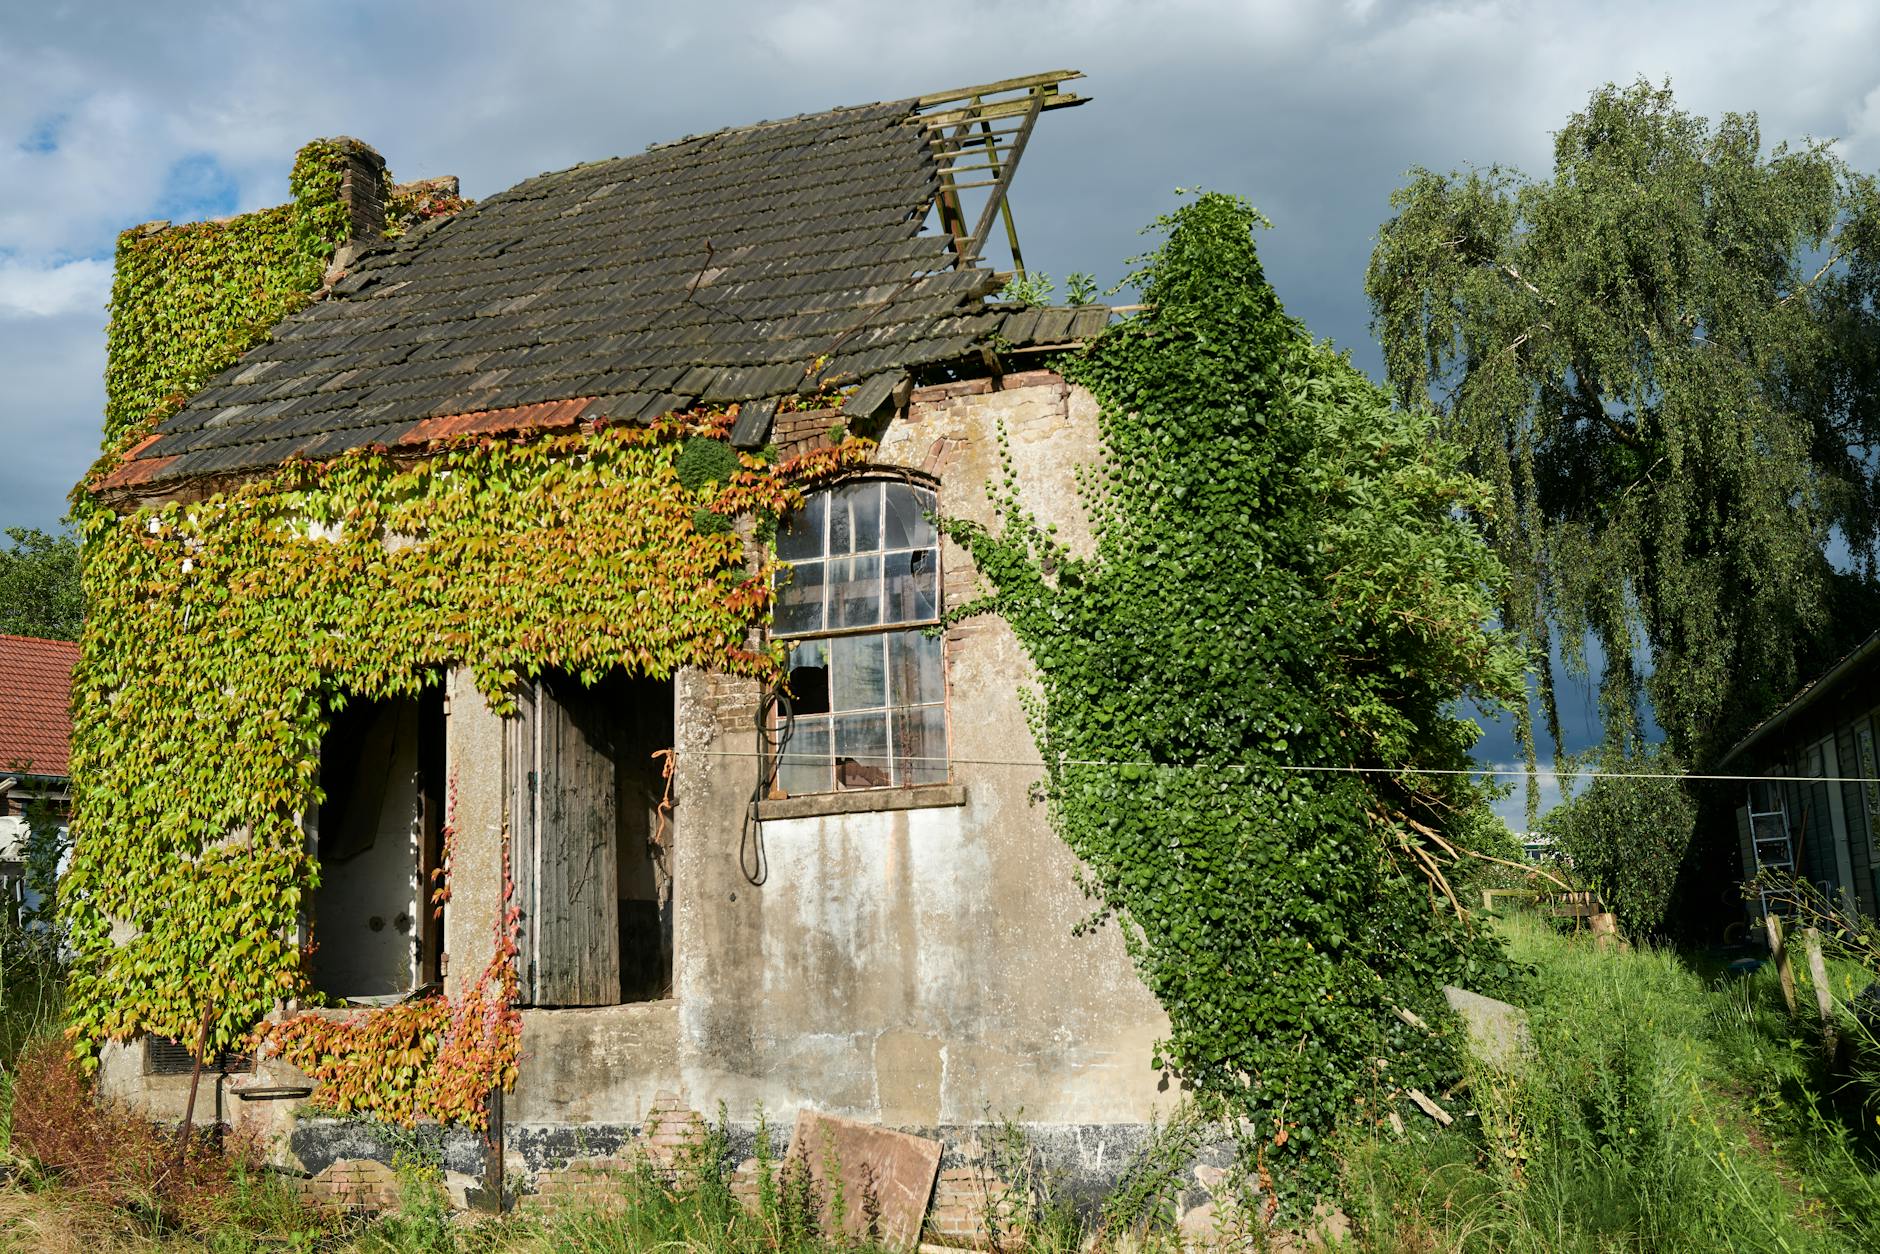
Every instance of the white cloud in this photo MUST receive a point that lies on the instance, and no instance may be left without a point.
(45, 291)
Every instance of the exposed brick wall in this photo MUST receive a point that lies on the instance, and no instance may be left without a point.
(362, 189)
(672, 1135)
(731, 701)
(804, 430)
(962, 1199)
(352, 1184)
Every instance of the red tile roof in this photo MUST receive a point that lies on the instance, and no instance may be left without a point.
(36, 704)
(545, 416)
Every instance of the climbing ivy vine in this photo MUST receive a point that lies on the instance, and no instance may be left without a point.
(1283, 588)
(188, 300)
(223, 632)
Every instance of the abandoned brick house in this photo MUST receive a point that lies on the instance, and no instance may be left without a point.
(887, 930)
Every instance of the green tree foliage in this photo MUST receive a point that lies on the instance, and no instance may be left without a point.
(1626, 834)
(1282, 581)
(39, 587)
(1661, 359)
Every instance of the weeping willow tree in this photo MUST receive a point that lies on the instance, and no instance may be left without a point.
(1662, 359)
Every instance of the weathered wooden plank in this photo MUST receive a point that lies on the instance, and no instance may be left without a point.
(896, 1167)
(577, 904)
(519, 780)
(1048, 78)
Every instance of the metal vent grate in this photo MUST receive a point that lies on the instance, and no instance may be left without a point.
(165, 1055)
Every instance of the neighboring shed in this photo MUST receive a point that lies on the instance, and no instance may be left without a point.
(35, 746)
(1819, 807)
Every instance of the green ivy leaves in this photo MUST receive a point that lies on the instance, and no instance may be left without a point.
(1281, 581)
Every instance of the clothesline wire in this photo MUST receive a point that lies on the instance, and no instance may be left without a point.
(1509, 772)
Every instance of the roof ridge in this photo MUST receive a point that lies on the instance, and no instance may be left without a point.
(909, 103)
(63, 644)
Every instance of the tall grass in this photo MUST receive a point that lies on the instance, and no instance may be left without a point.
(32, 985)
(1655, 1111)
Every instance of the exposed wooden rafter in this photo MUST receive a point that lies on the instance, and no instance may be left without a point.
(983, 131)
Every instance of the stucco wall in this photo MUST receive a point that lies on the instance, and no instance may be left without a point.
(916, 967)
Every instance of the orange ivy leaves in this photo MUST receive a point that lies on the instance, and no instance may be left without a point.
(431, 1058)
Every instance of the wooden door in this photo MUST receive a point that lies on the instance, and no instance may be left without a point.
(567, 847)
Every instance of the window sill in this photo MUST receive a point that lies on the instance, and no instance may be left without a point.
(863, 801)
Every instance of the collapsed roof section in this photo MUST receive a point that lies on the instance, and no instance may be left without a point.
(747, 264)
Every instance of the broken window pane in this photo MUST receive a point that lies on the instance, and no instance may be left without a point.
(805, 766)
(855, 592)
(800, 534)
(855, 518)
(808, 669)
(906, 524)
(913, 586)
(799, 605)
(915, 676)
(862, 751)
(860, 678)
(920, 746)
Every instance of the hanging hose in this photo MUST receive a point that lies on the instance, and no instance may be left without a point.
(774, 735)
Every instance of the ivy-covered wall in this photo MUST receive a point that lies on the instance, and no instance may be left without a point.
(223, 632)
(188, 300)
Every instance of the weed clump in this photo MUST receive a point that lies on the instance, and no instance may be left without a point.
(128, 1174)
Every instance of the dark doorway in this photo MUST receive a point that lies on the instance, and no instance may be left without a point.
(589, 856)
(377, 836)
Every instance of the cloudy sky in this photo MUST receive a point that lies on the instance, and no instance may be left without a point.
(114, 113)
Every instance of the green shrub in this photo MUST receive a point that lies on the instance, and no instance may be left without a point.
(704, 461)
(1626, 835)
(710, 523)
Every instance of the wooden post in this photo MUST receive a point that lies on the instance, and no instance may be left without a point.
(195, 1081)
(493, 1199)
(1824, 996)
(1605, 930)
(1779, 952)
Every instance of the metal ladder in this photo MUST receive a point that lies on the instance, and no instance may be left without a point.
(1769, 844)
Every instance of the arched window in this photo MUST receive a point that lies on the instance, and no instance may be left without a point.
(855, 604)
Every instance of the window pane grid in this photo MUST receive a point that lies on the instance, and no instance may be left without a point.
(870, 706)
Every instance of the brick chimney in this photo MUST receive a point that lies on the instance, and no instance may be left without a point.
(363, 191)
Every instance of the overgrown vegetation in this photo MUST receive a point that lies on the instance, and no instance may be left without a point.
(247, 617)
(1661, 359)
(188, 300)
(1656, 1110)
(1281, 584)
(1659, 1107)
(1626, 833)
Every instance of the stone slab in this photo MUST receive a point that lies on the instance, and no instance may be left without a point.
(1498, 1032)
(901, 1166)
